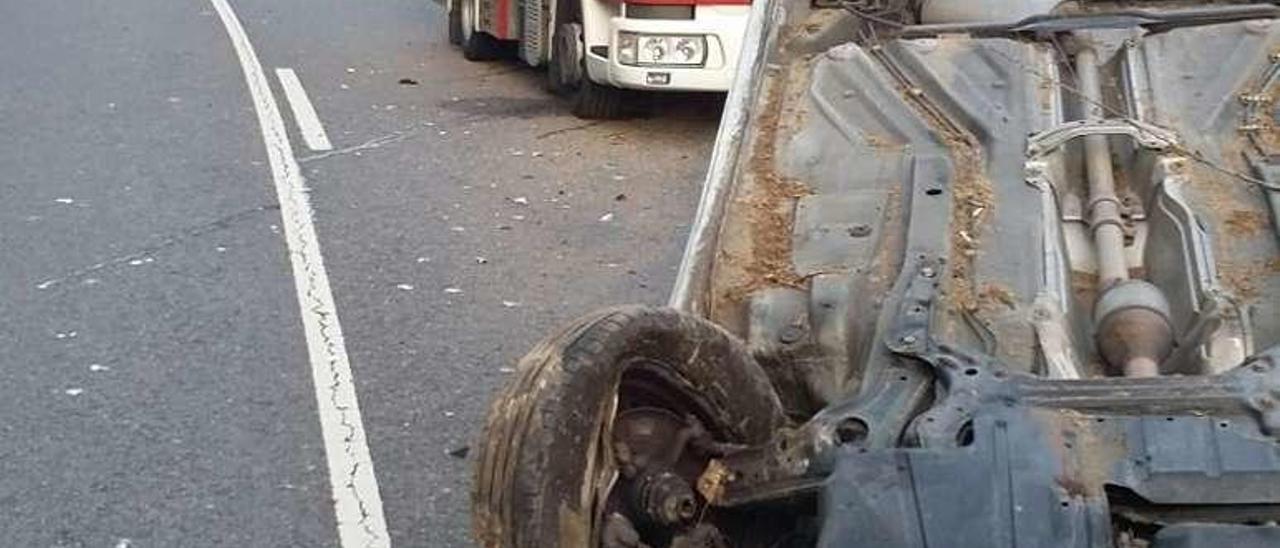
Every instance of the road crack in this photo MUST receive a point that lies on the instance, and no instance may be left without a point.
(168, 241)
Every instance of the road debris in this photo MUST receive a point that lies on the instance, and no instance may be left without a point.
(607, 217)
(404, 287)
(73, 391)
(98, 368)
(453, 291)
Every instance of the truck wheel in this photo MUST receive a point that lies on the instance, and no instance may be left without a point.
(595, 414)
(567, 76)
(455, 23)
(594, 101)
(564, 66)
(476, 45)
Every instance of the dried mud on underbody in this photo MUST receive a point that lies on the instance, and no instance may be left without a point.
(972, 201)
(755, 248)
(972, 198)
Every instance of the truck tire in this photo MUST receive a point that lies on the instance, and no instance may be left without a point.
(476, 45)
(594, 101)
(455, 23)
(542, 462)
(567, 74)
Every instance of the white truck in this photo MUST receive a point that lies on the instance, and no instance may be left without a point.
(597, 51)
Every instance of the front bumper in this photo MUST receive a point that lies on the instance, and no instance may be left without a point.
(723, 27)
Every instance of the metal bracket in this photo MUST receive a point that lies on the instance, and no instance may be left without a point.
(910, 332)
(1146, 135)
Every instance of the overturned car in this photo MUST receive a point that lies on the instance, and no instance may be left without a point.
(965, 273)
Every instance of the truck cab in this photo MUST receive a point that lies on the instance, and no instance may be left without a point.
(598, 53)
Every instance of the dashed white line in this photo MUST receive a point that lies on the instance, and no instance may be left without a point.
(357, 504)
(303, 112)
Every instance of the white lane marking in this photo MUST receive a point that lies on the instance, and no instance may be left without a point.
(357, 504)
(303, 113)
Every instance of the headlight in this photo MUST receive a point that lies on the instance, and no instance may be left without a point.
(661, 50)
(627, 48)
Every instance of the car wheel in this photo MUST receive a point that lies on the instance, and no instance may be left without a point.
(597, 409)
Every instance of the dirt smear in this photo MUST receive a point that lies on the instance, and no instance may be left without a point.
(972, 201)
(1244, 277)
(1246, 223)
(756, 238)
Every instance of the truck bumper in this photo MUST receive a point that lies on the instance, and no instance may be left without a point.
(722, 25)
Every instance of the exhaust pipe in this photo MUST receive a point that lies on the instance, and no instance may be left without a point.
(1131, 317)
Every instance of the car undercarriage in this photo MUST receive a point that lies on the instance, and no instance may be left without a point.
(965, 273)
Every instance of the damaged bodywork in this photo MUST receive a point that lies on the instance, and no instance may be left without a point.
(1011, 268)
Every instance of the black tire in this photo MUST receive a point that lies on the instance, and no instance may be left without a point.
(476, 45)
(562, 75)
(592, 101)
(481, 46)
(540, 444)
(587, 99)
(455, 23)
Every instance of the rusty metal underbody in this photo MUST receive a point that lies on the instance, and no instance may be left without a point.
(1017, 281)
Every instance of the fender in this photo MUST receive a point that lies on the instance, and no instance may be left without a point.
(499, 18)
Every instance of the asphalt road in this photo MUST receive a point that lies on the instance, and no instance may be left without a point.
(154, 373)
